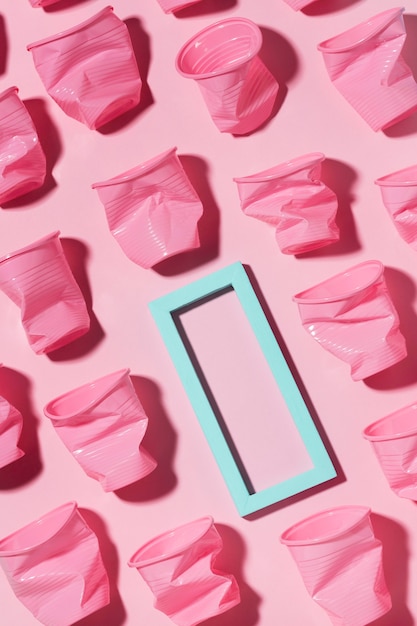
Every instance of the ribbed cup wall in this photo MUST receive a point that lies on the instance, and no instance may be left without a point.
(23, 163)
(11, 423)
(92, 72)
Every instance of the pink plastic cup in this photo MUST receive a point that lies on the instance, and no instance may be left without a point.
(11, 423)
(238, 89)
(366, 66)
(22, 160)
(42, 3)
(54, 567)
(352, 316)
(178, 568)
(152, 210)
(340, 562)
(90, 70)
(297, 5)
(399, 195)
(38, 279)
(394, 440)
(102, 423)
(171, 6)
(291, 197)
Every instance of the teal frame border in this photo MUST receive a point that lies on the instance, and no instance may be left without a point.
(163, 311)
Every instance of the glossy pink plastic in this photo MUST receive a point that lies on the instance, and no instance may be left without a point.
(90, 70)
(238, 89)
(394, 440)
(152, 210)
(352, 316)
(178, 567)
(102, 423)
(54, 567)
(11, 423)
(291, 197)
(297, 5)
(340, 562)
(42, 3)
(399, 195)
(22, 160)
(171, 6)
(365, 64)
(38, 279)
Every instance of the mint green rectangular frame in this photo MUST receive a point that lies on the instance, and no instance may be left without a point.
(165, 311)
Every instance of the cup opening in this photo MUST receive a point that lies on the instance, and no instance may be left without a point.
(171, 543)
(38, 532)
(343, 285)
(74, 29)
(7, 92)
(284, 169)
(79, 400)
(219, 48)
(137, 171)
(361, 33)
(325, 526)
(406, 177)
(397, 425)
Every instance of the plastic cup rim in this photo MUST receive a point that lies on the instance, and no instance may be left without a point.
(118, 375)
(300, 297)
(31, 246)
(72, 505)
(232, 66)
(136, 172)
(285, 536)
(70, 31)
(283, 169)
(393, 13)
(367, 433)
(4, 94)
(135, 561)
(389, 179)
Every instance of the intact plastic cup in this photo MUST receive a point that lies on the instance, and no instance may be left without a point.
(38, 279)
(90, 70)
(238, 89)
(366, 65)
(171, 6)
(353, 317)
(340, 562)
(102, 423)
(152, 210)
(22, 160)
(54, 567)
(399, 195)
(297, 5)
(394, 441)
(11, 424)
(292, 198)
(178, 568)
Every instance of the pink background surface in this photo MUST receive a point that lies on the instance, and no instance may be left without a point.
(311, 116)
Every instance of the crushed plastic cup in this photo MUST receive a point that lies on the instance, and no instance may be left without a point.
(399, 195)
(90, 70)
(102, 424)
(297, 5)
(340, 562)
(171, 6)
(152, 210)
(54, 567)
(365, 64)
(22, 160)
(238, 89)
(292, 198)
(352, 316)
(11, 424)
(43, 3)
(38, 279)
(178, 568)
(394, 441)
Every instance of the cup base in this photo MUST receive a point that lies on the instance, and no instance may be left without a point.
(132, 469)
(380, 360)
